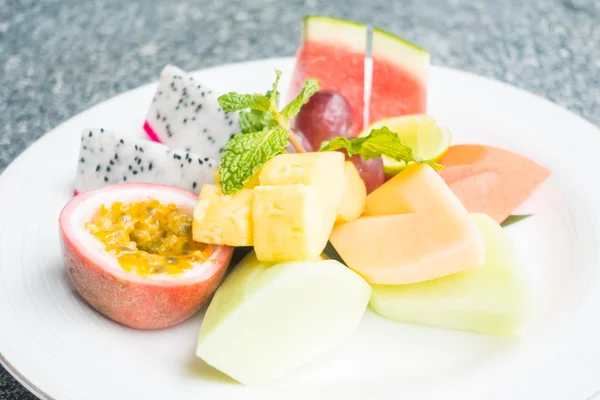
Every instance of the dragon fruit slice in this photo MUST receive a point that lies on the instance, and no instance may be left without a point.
(184, 114)
(108, 158)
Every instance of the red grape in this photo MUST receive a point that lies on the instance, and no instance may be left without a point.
(326, 115)
(303, 141)
(371, 171)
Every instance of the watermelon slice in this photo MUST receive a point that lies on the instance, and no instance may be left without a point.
(400, 74)
(333, 51)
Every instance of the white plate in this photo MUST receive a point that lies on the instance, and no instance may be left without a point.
(59, 348)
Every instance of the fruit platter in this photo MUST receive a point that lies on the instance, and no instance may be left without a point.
(283, 225)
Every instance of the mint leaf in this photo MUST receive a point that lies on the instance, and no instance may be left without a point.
(251, 121)
(311, 86)
(232, 101)
(352, 146)
(513, 219)
(277, 96)
(383, 142)
(273, 93)
(245, 154)
(380, 142)
(254, 121)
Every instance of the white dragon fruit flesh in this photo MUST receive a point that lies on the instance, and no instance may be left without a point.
(185, 114)
(108, 158)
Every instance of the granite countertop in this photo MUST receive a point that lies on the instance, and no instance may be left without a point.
(58, 58)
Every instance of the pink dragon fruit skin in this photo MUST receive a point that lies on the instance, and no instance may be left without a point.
(108, 158)
(185, 114)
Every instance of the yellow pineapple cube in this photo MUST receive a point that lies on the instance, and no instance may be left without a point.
(221, 219)
(355, 195)
(251, 184)
(325, 171)
(290, 223)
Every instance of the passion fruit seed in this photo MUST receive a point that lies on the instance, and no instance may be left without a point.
(148, 237)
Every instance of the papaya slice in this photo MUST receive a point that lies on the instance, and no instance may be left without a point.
(491, 180)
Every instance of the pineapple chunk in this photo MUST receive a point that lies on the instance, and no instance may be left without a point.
(221, 219)
(325, 171)
(355, 195)
(251, 184)
(290, 223)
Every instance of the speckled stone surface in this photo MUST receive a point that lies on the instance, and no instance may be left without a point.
(58, 58)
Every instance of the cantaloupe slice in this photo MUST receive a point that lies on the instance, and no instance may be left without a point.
(491, 180)
(413, 229)
(268, 319)
(494, 298)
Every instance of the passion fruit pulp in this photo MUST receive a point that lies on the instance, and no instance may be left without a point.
(153, 301)
(148, 237)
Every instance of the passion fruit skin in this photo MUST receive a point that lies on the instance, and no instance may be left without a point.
(132, 300)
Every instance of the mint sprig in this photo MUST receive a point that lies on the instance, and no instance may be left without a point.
(246, 153)
(379, 142)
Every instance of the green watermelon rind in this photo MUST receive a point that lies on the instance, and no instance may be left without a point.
(402, 41)
(345, 22)
(335, 31)
(332, 20)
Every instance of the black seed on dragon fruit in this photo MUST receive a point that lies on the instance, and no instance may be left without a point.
(107, 158)
(186, 115)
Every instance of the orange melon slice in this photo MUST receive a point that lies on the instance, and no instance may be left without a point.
(414, 229)
(491, 180)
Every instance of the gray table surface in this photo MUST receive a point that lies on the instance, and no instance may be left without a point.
(58, 58)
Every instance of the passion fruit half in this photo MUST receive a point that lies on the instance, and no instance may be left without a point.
(128, 251)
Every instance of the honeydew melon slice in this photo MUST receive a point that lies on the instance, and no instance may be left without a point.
(492, 299)
(268, 319)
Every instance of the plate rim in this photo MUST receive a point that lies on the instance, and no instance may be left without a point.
(15, 163)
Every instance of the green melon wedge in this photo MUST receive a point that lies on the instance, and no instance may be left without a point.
(267, 320)
(492, 299)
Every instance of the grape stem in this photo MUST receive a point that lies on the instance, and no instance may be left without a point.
(291, 135)
(296, 143)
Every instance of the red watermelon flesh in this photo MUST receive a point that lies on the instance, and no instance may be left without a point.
(333, 51)
(399, 80)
